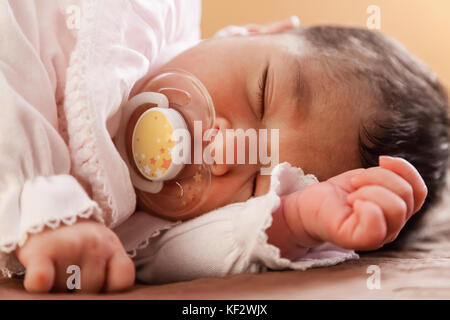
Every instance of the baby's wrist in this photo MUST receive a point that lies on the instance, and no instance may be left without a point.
(287, 231)
(298, 213)
(281, 236)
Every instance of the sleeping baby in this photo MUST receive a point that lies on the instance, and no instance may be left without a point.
(358, 144)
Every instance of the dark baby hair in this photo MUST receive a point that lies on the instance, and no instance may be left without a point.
(413, 122)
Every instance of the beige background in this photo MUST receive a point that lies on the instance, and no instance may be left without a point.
(423, 26)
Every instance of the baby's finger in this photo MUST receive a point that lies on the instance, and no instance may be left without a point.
(61, 275)
(40, 274)
(383, 177)
(408, 172)
(343, 180)
(364, 229)
(92, 274)
(394, 208)
(120, 272)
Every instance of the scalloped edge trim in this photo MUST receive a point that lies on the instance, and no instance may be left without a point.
(93, 211)
(262, 237)
(274, 251)
(275, 184)
(6, 273)
(144, 244)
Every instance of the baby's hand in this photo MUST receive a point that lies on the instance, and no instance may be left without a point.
(93, 247)
(361, 209)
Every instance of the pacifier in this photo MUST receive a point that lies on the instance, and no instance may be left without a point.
(159, 139)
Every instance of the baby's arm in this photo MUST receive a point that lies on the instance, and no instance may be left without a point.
(361, 209)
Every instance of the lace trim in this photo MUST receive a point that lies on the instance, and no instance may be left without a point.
(53, 224)
(79, 119)
(144, 244)
(93, 211)
(273, 251)
(7, 273)
(10, 266)
(263, 238)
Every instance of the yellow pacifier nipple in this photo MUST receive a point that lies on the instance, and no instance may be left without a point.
(153, 142)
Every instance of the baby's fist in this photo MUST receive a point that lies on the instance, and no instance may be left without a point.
(383, 199)
(91, 246)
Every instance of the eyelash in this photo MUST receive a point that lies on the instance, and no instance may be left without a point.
(254, 185)
(262, 90)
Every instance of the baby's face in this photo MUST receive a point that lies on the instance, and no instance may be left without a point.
(318, 122)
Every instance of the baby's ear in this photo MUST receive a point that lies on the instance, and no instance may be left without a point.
(251, 29)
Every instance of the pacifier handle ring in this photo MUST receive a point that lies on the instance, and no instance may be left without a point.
(145, 97)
